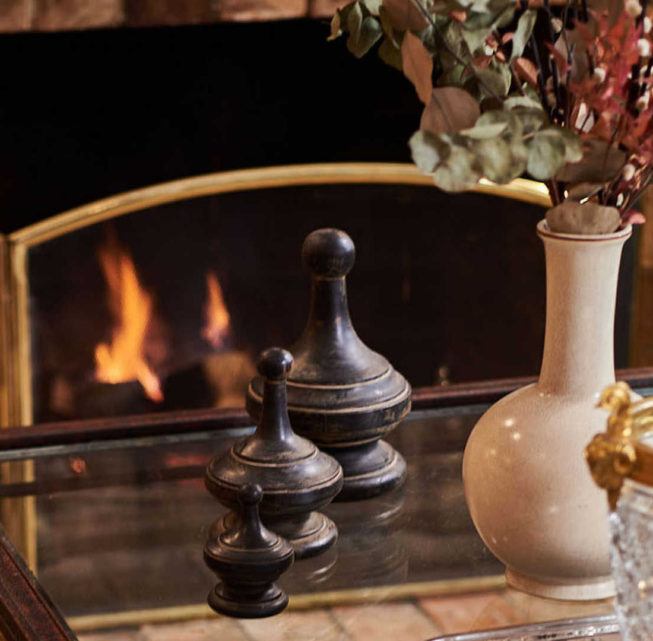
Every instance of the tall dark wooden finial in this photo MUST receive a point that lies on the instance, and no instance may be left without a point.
(341, 394)
(248, 559)
(297, 479)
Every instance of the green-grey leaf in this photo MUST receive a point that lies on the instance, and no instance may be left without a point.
(481, 132)
(336, 31)
(523, 33)
(497, 160)
(531, 120)
(573, 145)
(363, 32)
(500, 115)
(474, 38)
(390, 32)
(428, 150)
(494, 80)
(353, 20)
(390, 54)
(570, 217)
(546, 154)
(600, 163)
(521, 101)
(479, 20)
(458, 172)
(373, 6)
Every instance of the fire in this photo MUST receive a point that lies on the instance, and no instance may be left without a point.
(217, 322)
(131, 306)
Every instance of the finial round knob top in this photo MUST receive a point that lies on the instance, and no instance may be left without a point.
(274, 363)
(329, 253)
(250, 494)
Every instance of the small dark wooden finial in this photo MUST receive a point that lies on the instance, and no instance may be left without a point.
(274, 363)
(341, 394)
(297, 479)
(329, 253)
(248, 559)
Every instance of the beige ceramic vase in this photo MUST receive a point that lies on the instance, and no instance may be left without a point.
(526, 481)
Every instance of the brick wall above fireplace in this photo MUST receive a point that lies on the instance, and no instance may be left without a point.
(64, 15)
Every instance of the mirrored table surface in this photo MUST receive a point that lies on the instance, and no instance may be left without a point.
(117, 529)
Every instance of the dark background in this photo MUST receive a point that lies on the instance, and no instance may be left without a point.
(85, 115)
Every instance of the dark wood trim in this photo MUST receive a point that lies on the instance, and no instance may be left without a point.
(491, 391)
(26, 611)
(136, 426)
(187, 421)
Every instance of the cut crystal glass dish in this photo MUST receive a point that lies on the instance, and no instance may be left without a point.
(597, 628)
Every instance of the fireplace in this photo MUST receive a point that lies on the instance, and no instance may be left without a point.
(160, 299)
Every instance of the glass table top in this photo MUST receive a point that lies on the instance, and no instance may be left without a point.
(118, 529)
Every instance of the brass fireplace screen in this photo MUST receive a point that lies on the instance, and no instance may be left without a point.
(108, 314)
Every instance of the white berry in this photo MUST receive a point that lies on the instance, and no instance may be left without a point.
(633, 8)
(599, 74)
(643, 47)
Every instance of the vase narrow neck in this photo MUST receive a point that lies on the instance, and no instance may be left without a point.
(581, 277)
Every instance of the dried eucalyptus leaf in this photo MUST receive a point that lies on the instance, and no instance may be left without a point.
(428, 150)
(512, 102)
(531, 120)
(573, 145)
(495, 79)
(390, 32)
(390, 54)
(404, 15)
(583, 190)
(571, 217)
(523, 32)
(418, 66)
(458, 172)
(474, 38)
(599, 163)
(527, 72)
(546, 154)
(479, 21)
(450, 109)
(361, 41)
(500, 116)
(373, 6)
(336, 30)
(481, 132)
(496, 160)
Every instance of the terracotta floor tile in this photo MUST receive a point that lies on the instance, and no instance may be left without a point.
(312, 625)
(385, 622)
(202, 630)
(468, 612)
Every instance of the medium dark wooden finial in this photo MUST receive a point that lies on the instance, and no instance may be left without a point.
(341, 394)
(248, 559)
(297, 479)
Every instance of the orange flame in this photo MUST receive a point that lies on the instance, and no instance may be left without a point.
(217, 316)
(131, 306)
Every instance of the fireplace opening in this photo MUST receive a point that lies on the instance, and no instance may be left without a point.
(166, 308)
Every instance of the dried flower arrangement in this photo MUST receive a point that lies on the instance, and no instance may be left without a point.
(512, 87)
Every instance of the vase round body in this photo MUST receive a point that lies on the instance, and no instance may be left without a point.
(527, 487)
